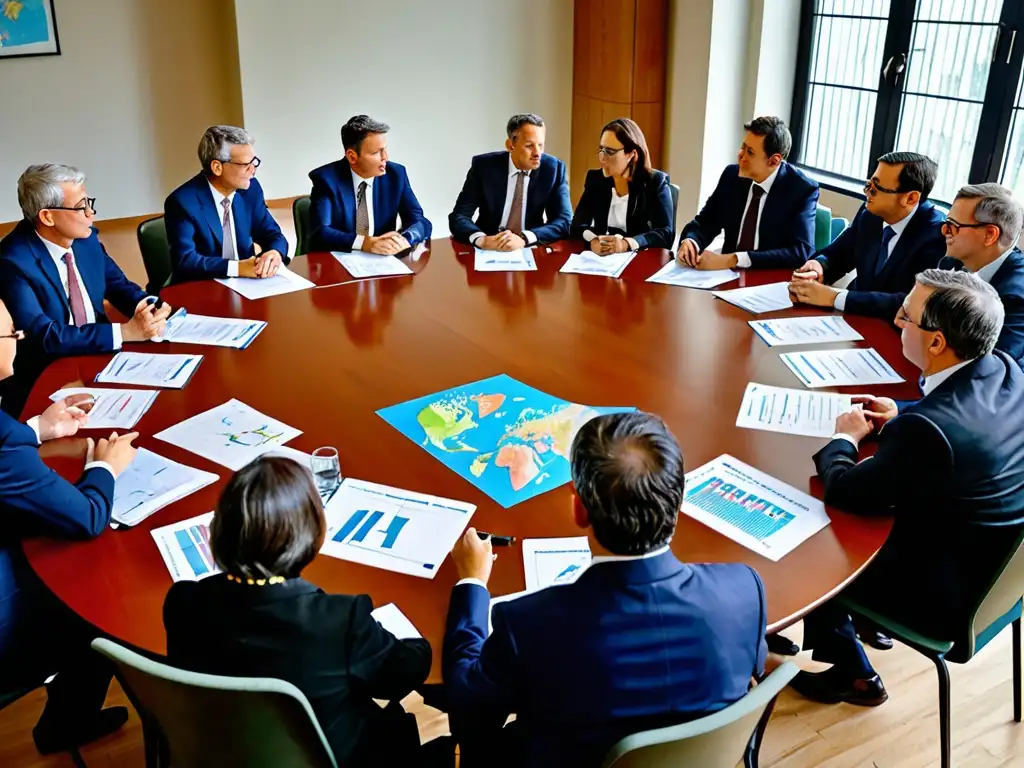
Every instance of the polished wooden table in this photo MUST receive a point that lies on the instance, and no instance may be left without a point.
(332, 356)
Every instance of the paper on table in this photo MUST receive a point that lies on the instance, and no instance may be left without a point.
(285, 281)
(232, 434)
(758, 298)
(763, 514)
(840, 367)
(791, 411)
(112, 408)
(148, 370)
(212, 331)
(361, 264)
(589, 263)
(185, 548)
(395, 622)
(150, 483)
(520, 260)
(804, 330)
(674, 273)
(502, 599)
(554, 561)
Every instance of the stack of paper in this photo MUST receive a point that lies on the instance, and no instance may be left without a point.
(589, 263)
(758, 298)
(675, 273)
(359, 264)
(520, 260)
(804, 330)
(791, 411)
(185, 548)
(285, 281)
(147, 370)
(395, 622)
(840, 368)
(554, 561)
(212, 331)
(150, 483)
(112, 408)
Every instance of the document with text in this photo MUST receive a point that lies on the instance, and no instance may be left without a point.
(804, 330)
(589, 263)
(112, 408)
(791, 411)
(674, 273)
(520, 260)
(554, 561)
(840, 368)
(758, 298)
(360, 264)
(184, 328)
(148, 370)
(150, 483)
(285, 281)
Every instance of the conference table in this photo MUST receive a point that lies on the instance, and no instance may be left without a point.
(332, 356)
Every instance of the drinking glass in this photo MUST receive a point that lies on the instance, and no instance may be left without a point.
(326, 470)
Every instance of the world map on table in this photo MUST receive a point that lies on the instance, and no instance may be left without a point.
(508, 439)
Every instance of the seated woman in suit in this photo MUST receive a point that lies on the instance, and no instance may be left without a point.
(260, 619)
(626, 205)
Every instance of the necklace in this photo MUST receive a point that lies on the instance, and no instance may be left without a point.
(256, 582)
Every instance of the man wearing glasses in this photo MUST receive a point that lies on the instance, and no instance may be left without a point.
(981, 237)
(216, 218)
(895, 235)
(55, 276)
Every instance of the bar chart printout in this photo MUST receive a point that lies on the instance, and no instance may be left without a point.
(753, 509)
(185, 548)
(393, 529)
(554, 561)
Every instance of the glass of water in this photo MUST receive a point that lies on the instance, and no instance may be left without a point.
(326, 470)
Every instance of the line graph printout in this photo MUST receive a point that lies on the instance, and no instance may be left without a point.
(212, 331)
(112, 408)
(393, 529)
(753, 509)
(185, 548)
(840, 368)
(789, 331)
(791, 411)
(148, 370)
(554, 561)
(150, 483)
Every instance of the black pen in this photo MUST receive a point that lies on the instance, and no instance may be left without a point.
(497, 541)
(155, 301)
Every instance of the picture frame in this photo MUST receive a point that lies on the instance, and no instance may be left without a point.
(28, 28)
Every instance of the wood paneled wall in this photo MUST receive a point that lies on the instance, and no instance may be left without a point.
(620, 50)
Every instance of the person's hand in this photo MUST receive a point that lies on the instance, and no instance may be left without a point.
(606, 245)
(473, 556)
(487, 243)
(811, 270)
(687, 253)
(148, 322)
(63, 418)
(249, 267)
(387, 244)
(709, 260)
(267, 263)
(812, 293)
(855, 423)
(116, 450)
(509, 241)
(403, 243)
(879, 410)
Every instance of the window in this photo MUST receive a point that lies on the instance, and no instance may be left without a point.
(930, 76)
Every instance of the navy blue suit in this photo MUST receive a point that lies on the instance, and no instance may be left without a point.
(486, 186)
(630, 645)
(880, 293)
(332, 212)
(648, 213)
(196, 233)
(785, 233)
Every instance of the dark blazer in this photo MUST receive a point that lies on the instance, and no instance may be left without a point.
(950, 468)
(332, 211)
(648, 212)
(630, 645)
(485, 188)
(329, 646)
(196, 233)
(786, 226)
(1009, 284)
(880, 295)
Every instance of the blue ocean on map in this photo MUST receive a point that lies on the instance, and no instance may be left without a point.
(23, 22)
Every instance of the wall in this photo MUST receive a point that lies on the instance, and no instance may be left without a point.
(126, 101)
(444, 75)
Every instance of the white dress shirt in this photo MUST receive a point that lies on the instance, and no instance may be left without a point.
(897, 229)
(217, 197)
(33, 424)
(57, 254)
(510, 193)
(357, 244)
(617, 210)
(987, 272)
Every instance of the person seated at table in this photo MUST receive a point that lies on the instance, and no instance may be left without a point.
(896, 234)
(522, 194)
(38, 634)
(765, 206)
(259, 618)
(215, 219)
(981, 237)
(640, 640)
(948, 468)
(54, 278)
(356, 202)
(626, 205)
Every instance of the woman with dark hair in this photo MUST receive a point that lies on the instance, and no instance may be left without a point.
(259, 618)
(626, 205)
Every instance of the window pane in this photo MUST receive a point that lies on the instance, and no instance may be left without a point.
(946, 131)
(848, 52)
(838, 127)
(1013, 162)
(959, 10)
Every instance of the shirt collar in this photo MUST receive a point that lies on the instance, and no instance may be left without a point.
(56, 251)
(512, 170)
(987, 272)
(931, 382)
(357, 180)
(901, 225)
(623, 558)
(217, 196)
(766, 185)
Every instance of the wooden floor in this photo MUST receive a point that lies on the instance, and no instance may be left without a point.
(903, 733)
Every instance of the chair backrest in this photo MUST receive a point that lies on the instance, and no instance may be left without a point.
(1003, 596)
(715, 741)
(839, 225)
(822, 227)
(300, 215)
(674, 191)
(156, 253)
(212, 721)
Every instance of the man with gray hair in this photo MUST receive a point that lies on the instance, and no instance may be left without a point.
(949, 468)
(216, 218)
(981, 234)
(55, 276)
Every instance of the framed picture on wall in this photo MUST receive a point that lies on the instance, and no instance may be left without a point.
(28, 28)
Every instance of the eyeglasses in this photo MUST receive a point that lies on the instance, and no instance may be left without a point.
(872, 188)
(255, 163)
(16, 335)
(89, 205)
(608, 151)
(952, 227)
(902, 316)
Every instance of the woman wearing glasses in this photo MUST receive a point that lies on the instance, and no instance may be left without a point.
(626, 205)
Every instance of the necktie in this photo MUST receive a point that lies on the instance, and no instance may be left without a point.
(883, 251)
(227, 249)
(515, 213)
(362, 215)
(749, 228)
(75, 298)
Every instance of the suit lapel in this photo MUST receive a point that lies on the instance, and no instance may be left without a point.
(348, 199)
(1012, 262)
(500, 192)
(204, 197)
(91, 271)
(243, 227)
(379, 195)
(47, 267)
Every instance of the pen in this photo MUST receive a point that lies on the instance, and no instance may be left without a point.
(156, 301)
(497, 541)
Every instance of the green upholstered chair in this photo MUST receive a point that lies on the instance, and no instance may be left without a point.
(156, 253)
(822, 227)
(300, 215)
(838, 226)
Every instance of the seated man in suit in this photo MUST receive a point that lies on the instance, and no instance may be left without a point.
(896, 234)
(640, 640)
(356, 202)
(981, 236)
(224, 197)
(522, 194)
(765, 206)
(55, 276)
(39, 635)
(949, 468)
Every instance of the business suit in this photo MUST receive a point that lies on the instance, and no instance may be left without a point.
(785, 227)
(485, 189)
(332, 212)
(631, 645)
(648, 215)
(329, 646)
(879, 293)
(196, 232)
